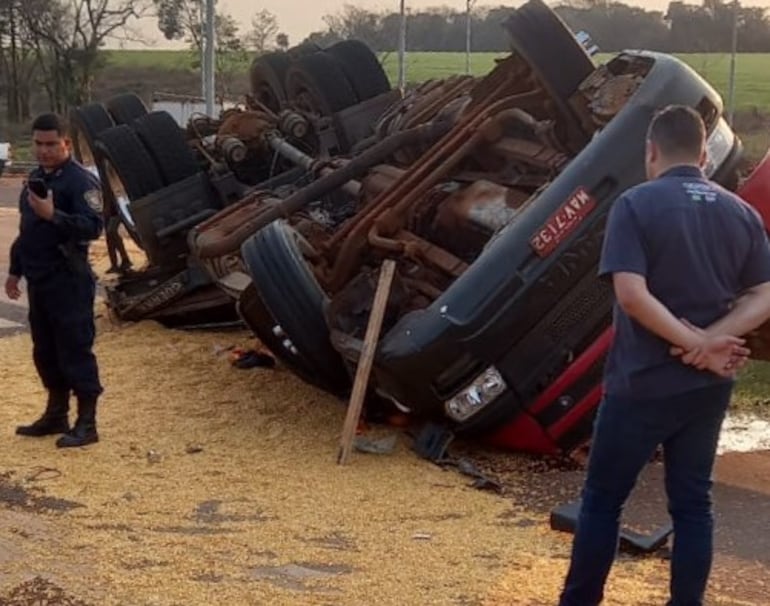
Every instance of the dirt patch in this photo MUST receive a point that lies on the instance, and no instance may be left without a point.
(39, 592)
(19, 495)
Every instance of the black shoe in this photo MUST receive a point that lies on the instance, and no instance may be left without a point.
(44, 426)
(84, 431)
(54, 419)
(80, 435)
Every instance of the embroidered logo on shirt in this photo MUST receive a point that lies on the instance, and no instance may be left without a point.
(699, 192)
(94, 199)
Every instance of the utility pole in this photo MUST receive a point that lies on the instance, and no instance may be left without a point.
(402, 48)
(734, 51)
(208, 58)
(468, 6)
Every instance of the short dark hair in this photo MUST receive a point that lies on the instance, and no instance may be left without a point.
(678, 131)
(51, 121)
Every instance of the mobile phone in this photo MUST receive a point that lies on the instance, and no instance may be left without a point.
(38, 187)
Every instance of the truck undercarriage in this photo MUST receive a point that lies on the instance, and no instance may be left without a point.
(489, 192)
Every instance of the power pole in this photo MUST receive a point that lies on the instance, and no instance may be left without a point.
(468, 7)
(402, 48)
(734, 51)
(208, 58)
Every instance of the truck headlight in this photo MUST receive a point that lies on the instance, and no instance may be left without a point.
(483, 390)
(718, 147)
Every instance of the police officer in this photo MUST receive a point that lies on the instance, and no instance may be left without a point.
(51, 253)
(690, 266)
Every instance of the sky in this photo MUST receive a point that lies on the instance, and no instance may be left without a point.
(298, 18)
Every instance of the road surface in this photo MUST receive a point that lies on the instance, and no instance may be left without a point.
(13, 314)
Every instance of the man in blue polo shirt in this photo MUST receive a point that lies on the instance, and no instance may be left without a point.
(690, 267)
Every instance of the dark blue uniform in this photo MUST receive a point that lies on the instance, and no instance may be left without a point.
(699, 247)
(53, 257)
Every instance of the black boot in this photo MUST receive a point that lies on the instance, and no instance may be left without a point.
(84, 431)
(54, 419)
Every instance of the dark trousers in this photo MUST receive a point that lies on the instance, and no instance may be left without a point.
(61, 320)
(626, 434)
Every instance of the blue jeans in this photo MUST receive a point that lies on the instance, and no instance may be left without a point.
(627, 432)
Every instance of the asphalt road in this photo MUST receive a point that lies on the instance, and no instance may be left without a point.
(13, 314)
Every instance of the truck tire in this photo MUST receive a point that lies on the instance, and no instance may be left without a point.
(561, 64)
(165, 141)
(295, 301)
(129, 171)
(317, 84)
(254, 313)
(361, 67)
(267, 76)
(126, 108)
(87, 123)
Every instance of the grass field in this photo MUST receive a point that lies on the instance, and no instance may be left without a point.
(752, 84)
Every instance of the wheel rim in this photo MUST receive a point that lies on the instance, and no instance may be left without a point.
(84, 153)
(122, 201)
(306, 100)
(267, 97)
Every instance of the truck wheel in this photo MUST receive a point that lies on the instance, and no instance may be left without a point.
(361, 67)
(126, 108)
(561, 65)
(254, 313)
(295, 301)
(87, 122)
(316, 83)
(165, 141)
(129, 171)
(267, 75)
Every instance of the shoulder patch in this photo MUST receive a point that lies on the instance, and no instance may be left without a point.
(93, 198)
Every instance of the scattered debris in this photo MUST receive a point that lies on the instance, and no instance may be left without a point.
(250, 358)
(384, 445)
(564, 518)
(153, 457)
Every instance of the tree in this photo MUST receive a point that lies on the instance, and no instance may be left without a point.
(68, 35)
(183, 20)
(355, 22)
(282, 40)
(18, 61)
(264, 27)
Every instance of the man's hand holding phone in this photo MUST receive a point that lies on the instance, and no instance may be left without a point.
(40, 198)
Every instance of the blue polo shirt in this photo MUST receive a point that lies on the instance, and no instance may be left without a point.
(698, 246)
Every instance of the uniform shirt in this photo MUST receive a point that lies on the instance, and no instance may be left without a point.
(42, 246)
(699, 246)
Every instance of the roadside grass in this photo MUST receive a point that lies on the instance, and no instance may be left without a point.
(752, 85)
(752, 391)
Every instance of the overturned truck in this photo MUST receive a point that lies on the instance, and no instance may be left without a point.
(491, 194)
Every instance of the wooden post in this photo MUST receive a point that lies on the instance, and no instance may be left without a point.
(366, 360)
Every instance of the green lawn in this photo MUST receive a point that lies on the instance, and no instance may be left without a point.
(752, 84)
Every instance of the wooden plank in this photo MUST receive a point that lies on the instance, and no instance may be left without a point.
(366, 360)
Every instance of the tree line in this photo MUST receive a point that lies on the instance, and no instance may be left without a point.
(614, 26)
(58, 45)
